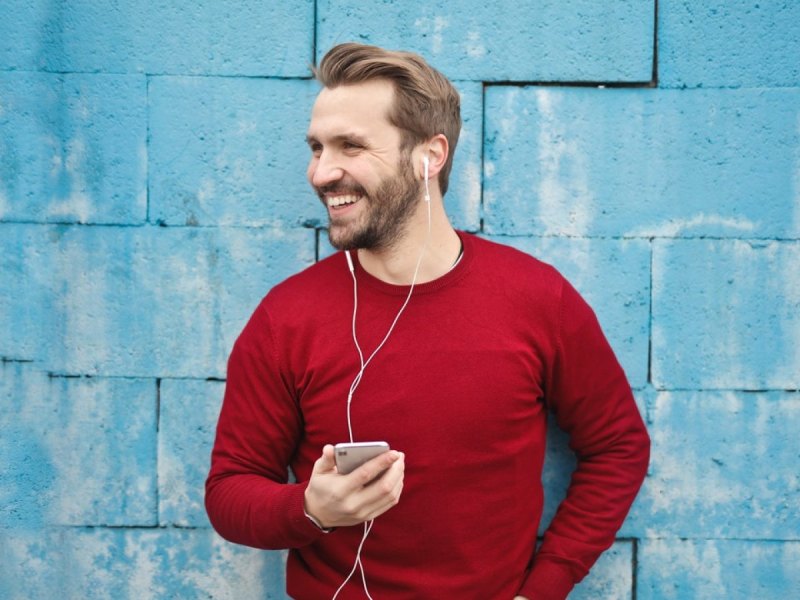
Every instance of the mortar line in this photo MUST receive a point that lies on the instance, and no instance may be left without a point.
(314, 33)
(740, 390)
(481, 205)
(634, 567)
(521, 235)
(149, 74)
(650, 320)
(65, 375)
(134, 527)
(571, 84)
(158, 404)
(655, 44)
(71, 223)
(721, 539)
(158, 457)
(147, 150)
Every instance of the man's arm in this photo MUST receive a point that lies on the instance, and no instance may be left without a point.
(248, 498)
(592, 401)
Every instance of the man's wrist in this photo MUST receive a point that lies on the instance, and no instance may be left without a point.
(316, 522)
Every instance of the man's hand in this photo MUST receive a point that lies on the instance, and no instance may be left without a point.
(369, 491)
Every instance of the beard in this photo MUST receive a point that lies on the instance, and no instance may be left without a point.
(388, 209)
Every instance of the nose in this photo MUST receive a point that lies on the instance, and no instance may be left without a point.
(324, 169)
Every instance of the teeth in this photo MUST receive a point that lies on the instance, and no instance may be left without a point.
(334, 201)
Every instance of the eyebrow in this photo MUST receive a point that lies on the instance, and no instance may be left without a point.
(343, 137)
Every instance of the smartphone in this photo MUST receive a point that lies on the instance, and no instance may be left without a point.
(350, 456)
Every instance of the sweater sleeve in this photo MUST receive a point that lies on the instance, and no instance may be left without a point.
(248, 498)
(592, 401)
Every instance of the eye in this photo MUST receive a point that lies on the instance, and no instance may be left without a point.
(316, 148)
(351, 146)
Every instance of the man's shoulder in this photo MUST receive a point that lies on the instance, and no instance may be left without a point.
(300, 303)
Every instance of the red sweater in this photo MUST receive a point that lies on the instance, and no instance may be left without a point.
(462, 387)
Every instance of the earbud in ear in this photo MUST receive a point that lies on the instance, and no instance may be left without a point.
(425, 171)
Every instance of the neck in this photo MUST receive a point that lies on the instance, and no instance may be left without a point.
(396, 263)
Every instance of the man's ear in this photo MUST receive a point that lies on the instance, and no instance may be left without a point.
(436, 149)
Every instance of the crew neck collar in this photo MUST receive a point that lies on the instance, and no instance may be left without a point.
(459, 269)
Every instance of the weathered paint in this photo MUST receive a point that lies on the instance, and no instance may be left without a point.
(525, 40)
(152, 189)
(642, 162)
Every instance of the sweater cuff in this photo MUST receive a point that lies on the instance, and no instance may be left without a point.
(301, 531)
(547, 581)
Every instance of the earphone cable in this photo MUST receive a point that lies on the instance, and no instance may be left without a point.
(357, 380)
(357, 564)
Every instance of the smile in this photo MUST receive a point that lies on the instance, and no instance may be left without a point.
(337, 201)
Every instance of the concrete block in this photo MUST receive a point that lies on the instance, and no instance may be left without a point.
(137, 301)
(730, 569)
(76, 451)
(134, 564)
(726, 314)
(22, 26)
(641, 162)
(73, 148)
(724, 465)
(520, 41)
(250, 38)
(614, 278)
(188, 420)
(231, 152)
(28, 478)
(728, 43)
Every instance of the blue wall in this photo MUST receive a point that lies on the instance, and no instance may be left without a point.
(152, 190)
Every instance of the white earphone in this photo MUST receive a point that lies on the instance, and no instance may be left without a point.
(357, 564)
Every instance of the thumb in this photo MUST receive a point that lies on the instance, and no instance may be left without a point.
(326, 462)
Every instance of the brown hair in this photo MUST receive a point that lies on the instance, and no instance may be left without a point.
(426, 103)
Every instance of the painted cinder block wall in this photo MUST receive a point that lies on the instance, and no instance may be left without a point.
(152, 190)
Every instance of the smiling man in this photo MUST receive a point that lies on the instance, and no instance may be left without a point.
(361, 150)
(450, 348)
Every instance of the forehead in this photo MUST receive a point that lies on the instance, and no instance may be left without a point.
(361, 109)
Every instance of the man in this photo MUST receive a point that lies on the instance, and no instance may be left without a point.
(449, 347)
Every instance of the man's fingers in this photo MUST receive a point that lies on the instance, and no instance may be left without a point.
(371, 469)
(383, 494)
(367, 492)
(326, 462)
